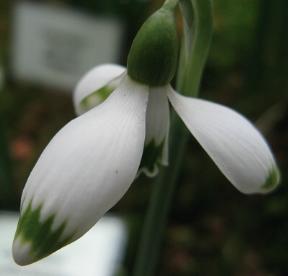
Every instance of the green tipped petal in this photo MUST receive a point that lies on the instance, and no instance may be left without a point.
(37, 237)
(272, 181)
(157, 131)
(95, 86)
(238, 149)
(153, 157)
(83, 172)
(96, 97)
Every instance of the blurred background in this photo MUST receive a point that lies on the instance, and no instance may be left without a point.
(213, 229)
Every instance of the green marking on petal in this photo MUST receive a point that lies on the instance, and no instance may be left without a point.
(272, 180)
(152, 158)
(43, 240)
(96, 97)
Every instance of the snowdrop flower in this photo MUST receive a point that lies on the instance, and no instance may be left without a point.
(91, 162)
(232, 142)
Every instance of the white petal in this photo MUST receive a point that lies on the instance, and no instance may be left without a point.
(99, 81)
(233, 143)
(82, 173)
(21, 252)
(157, 131)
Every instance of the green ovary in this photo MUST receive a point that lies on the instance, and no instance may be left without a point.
(152, 59)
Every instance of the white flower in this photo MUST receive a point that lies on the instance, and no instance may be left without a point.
(90, 164)
(233, 143)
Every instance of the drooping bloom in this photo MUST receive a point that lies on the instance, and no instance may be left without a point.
(92, 161)
(233, 143)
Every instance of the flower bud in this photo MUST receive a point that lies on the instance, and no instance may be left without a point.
(153, 55)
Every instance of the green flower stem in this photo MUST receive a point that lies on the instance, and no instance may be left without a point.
(197, 48)
(165, 185)
(170, 4)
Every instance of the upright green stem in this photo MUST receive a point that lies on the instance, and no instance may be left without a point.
(165, 185)
(171, 4)
(198, 49)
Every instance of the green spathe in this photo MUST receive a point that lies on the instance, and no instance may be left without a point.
(39, 235)
(152, 59)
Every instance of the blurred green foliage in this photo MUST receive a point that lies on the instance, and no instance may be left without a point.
(213, 229)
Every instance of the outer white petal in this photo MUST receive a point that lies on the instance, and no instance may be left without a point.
(82, 173)
(106, 75)
(157, 131)
(233, 143)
